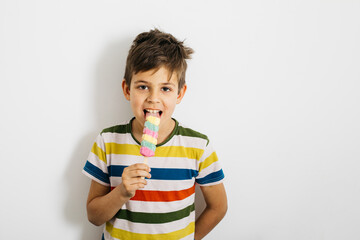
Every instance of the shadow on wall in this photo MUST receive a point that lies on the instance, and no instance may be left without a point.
(110, 108)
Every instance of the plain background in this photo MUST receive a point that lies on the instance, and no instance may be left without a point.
(274, 84)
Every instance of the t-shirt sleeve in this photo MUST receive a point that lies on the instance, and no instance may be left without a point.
(209, 169)
(96, 164)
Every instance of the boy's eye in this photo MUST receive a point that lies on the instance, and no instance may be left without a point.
(142, 87)
(166, 89)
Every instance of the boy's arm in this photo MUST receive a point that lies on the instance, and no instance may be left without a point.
(103, 204)
(216, 207)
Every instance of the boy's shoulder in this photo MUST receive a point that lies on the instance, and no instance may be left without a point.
(120, 128)
(186, 131)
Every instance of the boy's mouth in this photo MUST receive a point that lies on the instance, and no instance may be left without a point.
(152, 112)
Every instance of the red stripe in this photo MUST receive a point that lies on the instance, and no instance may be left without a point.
(162, 196)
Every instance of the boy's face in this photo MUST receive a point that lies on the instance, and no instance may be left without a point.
(152, 90)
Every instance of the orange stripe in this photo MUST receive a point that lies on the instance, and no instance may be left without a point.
(162, 196)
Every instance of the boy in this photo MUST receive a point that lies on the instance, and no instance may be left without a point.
(154, 200)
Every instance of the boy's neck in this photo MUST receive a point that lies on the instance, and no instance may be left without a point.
(164, 131)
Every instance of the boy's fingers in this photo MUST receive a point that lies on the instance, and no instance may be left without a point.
(140, 173)
(137, 170)
(140, 166)
(137, 180)
(137, 173)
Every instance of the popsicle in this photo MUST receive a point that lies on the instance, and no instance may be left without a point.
(150, 135)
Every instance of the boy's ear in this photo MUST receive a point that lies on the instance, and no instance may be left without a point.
(126, 90)
(181, 94)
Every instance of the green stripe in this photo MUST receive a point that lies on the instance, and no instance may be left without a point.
(118, 129)
(179, 130)
(188, 132)
(141, 217)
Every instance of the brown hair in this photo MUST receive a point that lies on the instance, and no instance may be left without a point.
(155, 49)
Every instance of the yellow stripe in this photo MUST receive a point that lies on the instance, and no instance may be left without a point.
(122, 234)
(99, 152)
(179, 151)
(208, 161)
(153, 120)
(126, 149)
(162, 151)
(149, 138)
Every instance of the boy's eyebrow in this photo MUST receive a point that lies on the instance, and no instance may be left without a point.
(168, 83)
(140, 81)
(143, 81)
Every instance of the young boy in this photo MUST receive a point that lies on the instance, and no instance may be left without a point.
(155, 200)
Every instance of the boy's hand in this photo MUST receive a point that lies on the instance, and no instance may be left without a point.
(133, 179)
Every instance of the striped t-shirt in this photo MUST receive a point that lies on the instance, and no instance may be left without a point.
(164, 209)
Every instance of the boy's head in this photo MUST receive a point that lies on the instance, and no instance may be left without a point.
(155, 49)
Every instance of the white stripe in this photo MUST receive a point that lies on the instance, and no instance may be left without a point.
(187, 141)
(125, 160)
(159, 185)
(159, 207)
(173, 162)
(154, 162)
(166, 185)
(146, 228)
(119, 138)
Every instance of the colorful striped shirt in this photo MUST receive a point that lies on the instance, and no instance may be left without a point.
(165, 208)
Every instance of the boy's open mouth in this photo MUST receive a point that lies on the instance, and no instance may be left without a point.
(156, 113)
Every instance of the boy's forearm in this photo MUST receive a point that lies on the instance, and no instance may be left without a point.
(207, 221)
(102, 209)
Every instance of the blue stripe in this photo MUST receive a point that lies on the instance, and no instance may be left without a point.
(96, 172)
(159, 173)
(172, 174)
(116, 170)
(212, 177)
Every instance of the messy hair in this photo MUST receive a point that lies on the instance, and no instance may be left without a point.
(155, 49)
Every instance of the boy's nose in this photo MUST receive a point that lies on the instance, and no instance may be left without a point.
(153, 96)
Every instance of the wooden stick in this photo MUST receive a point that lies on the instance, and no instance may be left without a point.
(146, 162)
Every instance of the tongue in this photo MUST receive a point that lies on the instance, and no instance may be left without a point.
(152, 114)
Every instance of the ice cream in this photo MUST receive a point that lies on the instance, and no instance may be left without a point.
(150, 135)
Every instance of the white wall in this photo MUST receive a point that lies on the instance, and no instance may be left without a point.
(275, 84)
